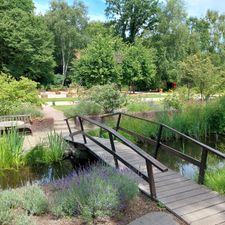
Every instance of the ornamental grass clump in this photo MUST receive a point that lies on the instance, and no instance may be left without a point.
(11, 150)
(95, 192)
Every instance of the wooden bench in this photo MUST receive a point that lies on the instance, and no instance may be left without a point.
(25, 127)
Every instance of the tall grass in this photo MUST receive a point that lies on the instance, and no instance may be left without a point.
(52, 151)
(11, 153)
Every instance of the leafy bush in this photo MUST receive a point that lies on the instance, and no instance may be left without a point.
(28, 109)
(23, 219)
(11, 153)
(34, 200)
(107, 96)
(14, 93)
(5, 215)
(84, 108)
(97, 191)
(10, 199)
(173, 101)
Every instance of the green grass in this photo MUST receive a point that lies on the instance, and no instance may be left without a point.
(69, 99)
(148, 95)
(11, 152)
(63, 108)
(138, 107)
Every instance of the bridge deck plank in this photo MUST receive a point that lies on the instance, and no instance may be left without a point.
(194, 203)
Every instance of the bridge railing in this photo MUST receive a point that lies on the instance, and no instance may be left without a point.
(113, 134)
(205, 149)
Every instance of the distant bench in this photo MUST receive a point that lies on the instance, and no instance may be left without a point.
(20, 122)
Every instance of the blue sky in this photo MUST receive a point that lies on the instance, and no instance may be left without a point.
(96, 7)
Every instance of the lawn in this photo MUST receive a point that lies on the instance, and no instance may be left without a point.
(63, 108)
(69, 99)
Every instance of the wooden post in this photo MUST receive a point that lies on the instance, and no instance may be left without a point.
(151, 179)
(158, 141)
(113, 149)
(82, 130)
(202, 168)
(118, 122)
(68, 125)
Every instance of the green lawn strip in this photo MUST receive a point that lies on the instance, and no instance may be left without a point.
(59, 99)
(63, 108)
(150, 95)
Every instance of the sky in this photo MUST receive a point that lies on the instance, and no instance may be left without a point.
(96, 7)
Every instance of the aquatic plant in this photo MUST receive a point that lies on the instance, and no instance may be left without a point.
(11, 150)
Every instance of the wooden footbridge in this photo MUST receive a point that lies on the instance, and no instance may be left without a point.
(191, 202)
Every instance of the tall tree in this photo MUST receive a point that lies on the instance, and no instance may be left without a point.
(170, 38)
(99, 62)
(132, 17)
(68, 24)
(25, 5)
(26, 45)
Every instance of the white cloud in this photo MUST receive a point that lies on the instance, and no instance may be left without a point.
(97, 17)
(41, 8)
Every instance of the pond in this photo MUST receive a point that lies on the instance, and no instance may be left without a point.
(183, 167)
(43, 174)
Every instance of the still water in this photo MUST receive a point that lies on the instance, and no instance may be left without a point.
(187, 147)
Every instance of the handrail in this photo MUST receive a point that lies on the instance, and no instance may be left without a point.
(137, 149)
(205, 149)
(215, 151)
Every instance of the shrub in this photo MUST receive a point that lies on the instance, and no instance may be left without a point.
(14, 93)
(27, 108)
(97, 191)
(10, 199)
(23, 219)
(5, 215)
(173, 101)
(11, 153)
(107, 96)
(34, 200)
(84, 108)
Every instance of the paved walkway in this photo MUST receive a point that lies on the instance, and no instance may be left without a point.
(155, 218)
(39, 137)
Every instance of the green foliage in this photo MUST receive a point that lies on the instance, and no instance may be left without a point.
(16, 93)
(23, 219)
(132, 17)
(98, 62)
(26, 44)
(11, 153)
(215, 179)
(52, 152)
(199, 71)
(67, 24)
(10, 199)
(29, 109)
(138, 67)
(5, 215)
(173, 101)
(84, 108)
(34, 200)
(138, 107)
(57, 146)
(97, 192)
(107, 96)
(25, 5)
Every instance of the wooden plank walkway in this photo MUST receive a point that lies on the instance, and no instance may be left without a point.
(194, 203)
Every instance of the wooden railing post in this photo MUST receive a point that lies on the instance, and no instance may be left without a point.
(113, 149)
(202, 167)
(68, 125)
(158, 141)
(118, 122)
(151, 179)
(82, 130)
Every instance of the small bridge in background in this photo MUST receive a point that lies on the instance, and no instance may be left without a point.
(192, 202)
